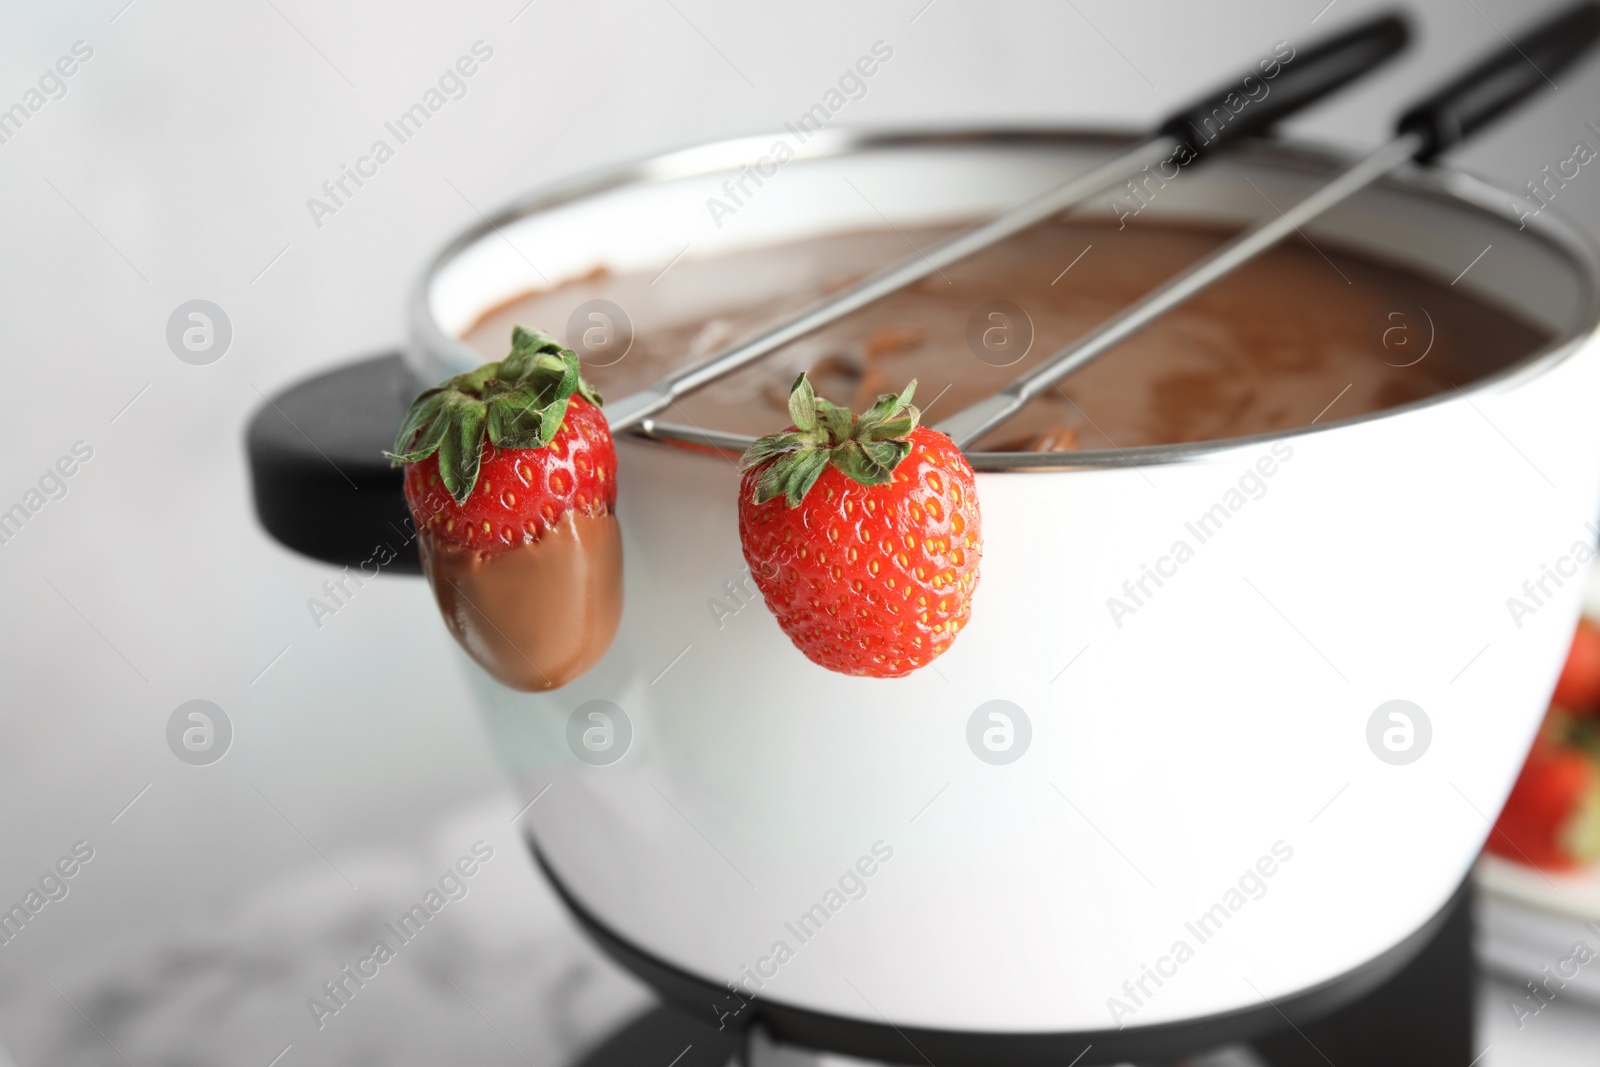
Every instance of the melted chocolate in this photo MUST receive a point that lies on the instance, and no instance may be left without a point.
(1297, 335)
(537, 615)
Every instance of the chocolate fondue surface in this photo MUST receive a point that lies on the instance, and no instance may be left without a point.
(1303, 333)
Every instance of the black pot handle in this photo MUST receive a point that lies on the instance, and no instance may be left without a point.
(317, 472)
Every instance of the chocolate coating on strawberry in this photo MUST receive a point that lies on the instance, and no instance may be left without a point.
(511, 476)
(862, 533)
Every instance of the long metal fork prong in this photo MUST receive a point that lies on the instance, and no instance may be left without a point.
(973, 422)
(635, 408)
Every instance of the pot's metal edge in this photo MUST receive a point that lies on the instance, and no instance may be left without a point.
(1456, 187)
(690, 161)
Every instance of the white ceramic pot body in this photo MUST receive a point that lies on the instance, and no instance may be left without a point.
(1198, 799)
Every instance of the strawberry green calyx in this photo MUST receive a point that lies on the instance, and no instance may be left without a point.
(518, 402)
(866, 448)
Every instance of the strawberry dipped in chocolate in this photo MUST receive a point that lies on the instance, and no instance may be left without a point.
(862, 533)
(511, 477)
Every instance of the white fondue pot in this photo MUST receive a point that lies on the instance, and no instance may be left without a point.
(1086, 822)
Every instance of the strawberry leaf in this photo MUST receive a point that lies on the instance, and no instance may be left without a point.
(835, 420)
(865, 449)
(773, 480)
(579, 386)
(870, 462)
(519, 402)
(531, 342)
(803, 405)
(422, 413)
(894, 430)
(771, 446)
(891, 417)
(461, 448)
(515, 423)
(526, 368)
(791, 475)
(427, 443)
(804, 472)
(880, 458)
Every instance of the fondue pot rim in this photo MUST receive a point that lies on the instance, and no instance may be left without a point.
(1452, 186)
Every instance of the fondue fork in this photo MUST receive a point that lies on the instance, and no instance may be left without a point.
(1243, 107)
(1494, 85)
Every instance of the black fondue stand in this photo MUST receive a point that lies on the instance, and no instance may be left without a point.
(323, 488)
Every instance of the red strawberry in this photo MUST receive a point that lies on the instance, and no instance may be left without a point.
(862, 533)
(1579, 687)
(511, 476)
(521, 493)
(1552, 818)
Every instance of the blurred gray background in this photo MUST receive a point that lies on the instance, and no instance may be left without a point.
(176, 166)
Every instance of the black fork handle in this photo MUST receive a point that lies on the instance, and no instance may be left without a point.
(1285, 82)
(1504, 79)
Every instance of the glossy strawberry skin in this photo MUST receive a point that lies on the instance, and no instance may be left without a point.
(522, 493)
(871, 580)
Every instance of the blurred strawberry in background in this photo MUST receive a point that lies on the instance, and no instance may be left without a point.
(1578, 691)
(1552, 818)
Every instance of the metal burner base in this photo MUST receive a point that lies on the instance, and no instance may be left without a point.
(1412, 1007)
